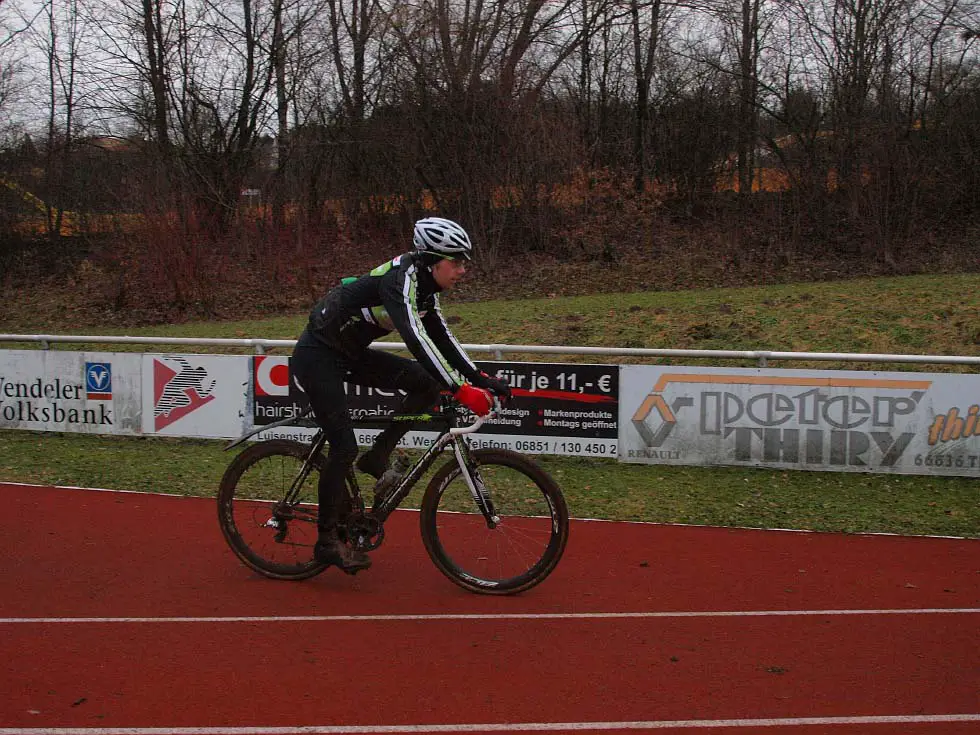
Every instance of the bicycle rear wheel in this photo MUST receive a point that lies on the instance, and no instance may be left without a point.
(520, 549)
(273, 537)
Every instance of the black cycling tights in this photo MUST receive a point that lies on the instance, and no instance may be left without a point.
(322, 372)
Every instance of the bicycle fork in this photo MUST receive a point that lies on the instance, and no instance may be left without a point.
(474, 481)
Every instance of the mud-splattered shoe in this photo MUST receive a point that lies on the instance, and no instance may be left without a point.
(331, 550)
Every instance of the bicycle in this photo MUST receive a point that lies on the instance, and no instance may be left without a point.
(492, 520)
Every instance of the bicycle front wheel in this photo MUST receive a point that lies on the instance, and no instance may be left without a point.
(516, 549)
(270, 532)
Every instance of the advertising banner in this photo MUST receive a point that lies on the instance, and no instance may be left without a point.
(88, 392)
(557, 408)
(196, 395)
(913, 423)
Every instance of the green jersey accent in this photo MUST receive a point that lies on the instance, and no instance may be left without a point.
(381, 317)
(382, 269)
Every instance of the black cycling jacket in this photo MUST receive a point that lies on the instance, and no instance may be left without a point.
(398, 295)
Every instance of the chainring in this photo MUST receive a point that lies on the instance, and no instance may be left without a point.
(364, 532)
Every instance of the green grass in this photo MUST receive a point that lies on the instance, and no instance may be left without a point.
(915, 315)
(595, 488)
(907, 315)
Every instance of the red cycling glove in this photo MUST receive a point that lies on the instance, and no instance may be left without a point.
(478, 400)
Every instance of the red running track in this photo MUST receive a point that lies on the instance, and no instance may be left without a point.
(126, 613)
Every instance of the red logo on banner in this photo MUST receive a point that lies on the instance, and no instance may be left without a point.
(177, 393)
(271, 376)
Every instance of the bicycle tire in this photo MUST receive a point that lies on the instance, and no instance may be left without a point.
(242, 507)
(534, 527)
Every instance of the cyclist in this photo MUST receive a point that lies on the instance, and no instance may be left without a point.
(402, 295)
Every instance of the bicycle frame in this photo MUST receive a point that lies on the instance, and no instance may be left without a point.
(319, 441)
(396, 495)
(450, 434)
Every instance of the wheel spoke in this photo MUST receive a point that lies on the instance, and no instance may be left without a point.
(271, 537)
(521, 550)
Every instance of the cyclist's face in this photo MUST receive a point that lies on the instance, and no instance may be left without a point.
(447, 272)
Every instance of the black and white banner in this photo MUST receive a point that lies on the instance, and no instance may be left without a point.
(556, 409)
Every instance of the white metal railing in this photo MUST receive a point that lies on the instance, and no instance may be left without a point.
(259, 346)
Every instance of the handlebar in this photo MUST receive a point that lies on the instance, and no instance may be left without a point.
(475, 426)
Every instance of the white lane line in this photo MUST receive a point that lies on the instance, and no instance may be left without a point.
(496, 727)
(499, 616)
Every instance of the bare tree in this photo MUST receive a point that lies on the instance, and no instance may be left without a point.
(134, 81)
(646, 21)
(11, 55)
(745, 26)
(60, 40)
(945, 63)
(596, 79)
(156, 70)
(473, 71)
(493, 40)
(292, 57)
(849, 37)
(219, 85)
(354, 29)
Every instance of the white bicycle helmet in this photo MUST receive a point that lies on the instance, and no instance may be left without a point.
(442, 237)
